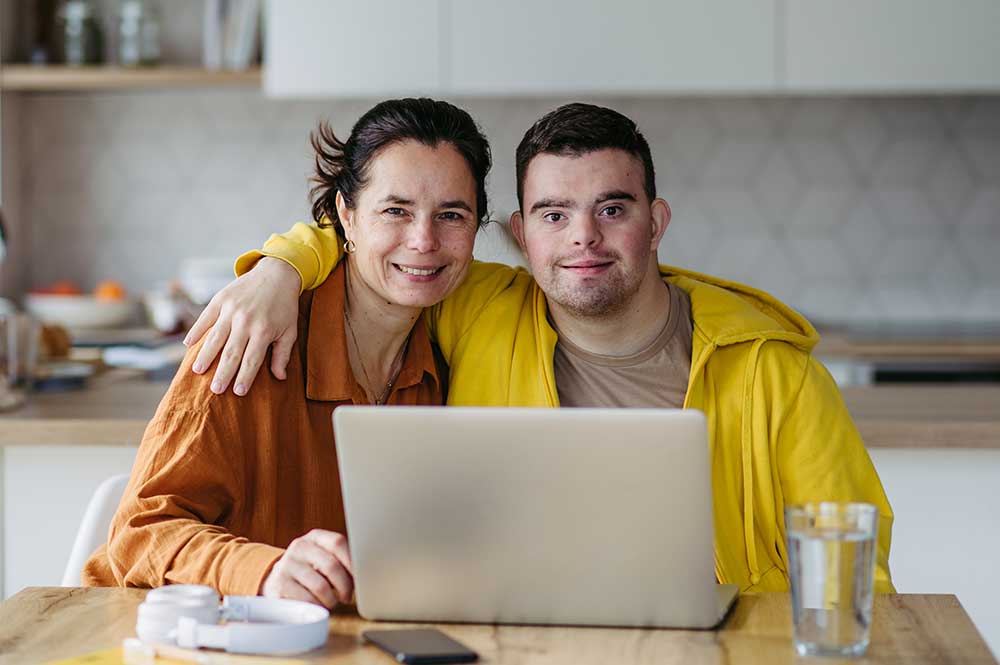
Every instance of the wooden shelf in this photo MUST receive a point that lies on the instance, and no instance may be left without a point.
(54, 78)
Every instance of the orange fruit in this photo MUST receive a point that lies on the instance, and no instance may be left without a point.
(110, 290)
(64, 288)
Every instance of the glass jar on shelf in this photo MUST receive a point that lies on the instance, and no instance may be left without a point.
(78, 34)
(138, 34)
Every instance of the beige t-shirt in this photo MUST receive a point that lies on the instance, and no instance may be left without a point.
(656, 376)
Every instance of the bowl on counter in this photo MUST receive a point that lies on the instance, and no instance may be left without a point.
(203, 277)
(80, 311)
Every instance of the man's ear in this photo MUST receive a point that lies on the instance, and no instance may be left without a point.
(517, 228)
(346, 216)
(660, 214)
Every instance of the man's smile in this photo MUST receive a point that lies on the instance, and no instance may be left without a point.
(587, 267)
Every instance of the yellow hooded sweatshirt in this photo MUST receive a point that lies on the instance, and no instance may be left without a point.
(779, 432)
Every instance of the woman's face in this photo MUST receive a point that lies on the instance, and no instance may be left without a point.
(414, 224)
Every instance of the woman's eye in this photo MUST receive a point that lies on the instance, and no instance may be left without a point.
(553, 217)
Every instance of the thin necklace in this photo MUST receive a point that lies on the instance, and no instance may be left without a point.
(397, 365)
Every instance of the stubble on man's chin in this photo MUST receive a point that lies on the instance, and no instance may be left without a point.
(606, 300)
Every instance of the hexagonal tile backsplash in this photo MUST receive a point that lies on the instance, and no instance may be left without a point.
(848, 209)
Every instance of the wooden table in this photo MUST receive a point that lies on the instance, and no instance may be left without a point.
(42, 623)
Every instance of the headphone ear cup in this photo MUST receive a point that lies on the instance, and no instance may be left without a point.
(159, 614)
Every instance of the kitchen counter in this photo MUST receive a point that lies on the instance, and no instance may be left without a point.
(111, 411)
(926, 415)
(936, 448)
(874, 347)
(116, 406)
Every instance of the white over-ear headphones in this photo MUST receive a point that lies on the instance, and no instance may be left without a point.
(188, 615)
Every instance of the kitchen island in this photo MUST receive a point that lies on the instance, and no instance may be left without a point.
(936, 447)
(115, 407)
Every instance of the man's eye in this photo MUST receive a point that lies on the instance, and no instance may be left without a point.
(613, 211)
(395, 212)
(452, 216)
(553, 217)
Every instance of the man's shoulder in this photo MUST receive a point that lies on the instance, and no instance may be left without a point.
(768, 354)
(727, 312)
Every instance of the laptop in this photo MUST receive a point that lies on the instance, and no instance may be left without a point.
(588, 517)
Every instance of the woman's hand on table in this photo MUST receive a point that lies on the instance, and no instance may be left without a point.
(315, 568)
(258, 309)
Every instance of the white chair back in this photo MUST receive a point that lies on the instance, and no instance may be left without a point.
(93, 530)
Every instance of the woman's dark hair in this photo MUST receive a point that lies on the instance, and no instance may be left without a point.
(343, 166)
(577, 129)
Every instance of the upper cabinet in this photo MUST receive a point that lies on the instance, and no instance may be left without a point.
(599, 47)
(323, 48)
(381, 48)
(892, 46)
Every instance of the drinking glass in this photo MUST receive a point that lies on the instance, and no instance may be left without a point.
(831, 551)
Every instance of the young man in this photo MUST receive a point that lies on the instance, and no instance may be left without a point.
(598, 322)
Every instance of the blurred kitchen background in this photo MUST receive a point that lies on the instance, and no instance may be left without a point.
(843, 155)
(876, 207)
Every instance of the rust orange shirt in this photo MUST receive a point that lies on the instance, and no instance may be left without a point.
(222, 484)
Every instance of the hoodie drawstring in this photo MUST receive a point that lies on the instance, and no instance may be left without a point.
(746, 444)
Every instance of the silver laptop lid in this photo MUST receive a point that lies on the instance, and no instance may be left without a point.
(543, 516)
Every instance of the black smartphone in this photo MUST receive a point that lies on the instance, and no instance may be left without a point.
(422, 645)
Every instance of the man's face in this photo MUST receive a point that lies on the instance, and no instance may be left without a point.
(589, 230)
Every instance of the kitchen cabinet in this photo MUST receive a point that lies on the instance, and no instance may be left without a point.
(892, 46)
(54, 452)
(597, 47)
(946, 530)
(45, 492)
(381, 48)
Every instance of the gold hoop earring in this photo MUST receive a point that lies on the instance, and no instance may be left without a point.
(349, 246)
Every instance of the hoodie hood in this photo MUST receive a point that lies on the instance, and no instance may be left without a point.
(730, 313)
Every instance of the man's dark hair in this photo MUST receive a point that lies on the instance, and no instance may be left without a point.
(577, 129)
(343, 166)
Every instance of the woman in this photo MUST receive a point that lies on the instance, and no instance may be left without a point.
(243, 493)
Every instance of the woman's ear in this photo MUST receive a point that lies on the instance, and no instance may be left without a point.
(346, 216)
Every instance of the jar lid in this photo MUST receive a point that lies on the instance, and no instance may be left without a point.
(76, 10)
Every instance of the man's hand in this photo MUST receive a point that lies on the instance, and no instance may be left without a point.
(315, 568)
(258, 309)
